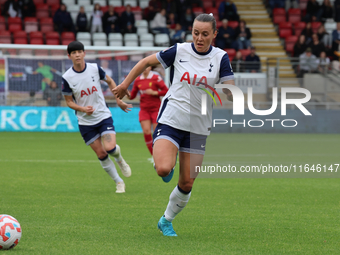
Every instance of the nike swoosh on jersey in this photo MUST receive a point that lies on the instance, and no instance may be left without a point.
(182, 61)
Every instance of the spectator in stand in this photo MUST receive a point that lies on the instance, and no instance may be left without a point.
(243, 35)
(150, 12)
(27, 8)
(171, 21)
(96, 19)
(127, 18)
(276, 4)
(225, 36)
(308, 63)
(238, 63)
(178, 36)
(316, 46)
(313, 11)
(327, 10)
(10, 8)
(130, 29)
(62, 19)
(169, 6)
(227, 10)
(52, 94)
(337, 10)
(300, 46)
(111, 21)
(158, 24)
(323, 63)
(324, 37)
(81, 22)
(308, 32)
(336, 38)
(253, 64)
(187, 19)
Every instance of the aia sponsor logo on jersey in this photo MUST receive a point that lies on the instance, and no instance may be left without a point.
(88, 91)
(202, 81)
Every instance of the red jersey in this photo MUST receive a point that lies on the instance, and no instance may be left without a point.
(154, 82)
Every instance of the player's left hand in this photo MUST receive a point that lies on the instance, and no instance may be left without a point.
(228, 93)
(124, 106)
(120, 92)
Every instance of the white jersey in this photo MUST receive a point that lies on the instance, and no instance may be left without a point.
(192, 74)
(85, 88)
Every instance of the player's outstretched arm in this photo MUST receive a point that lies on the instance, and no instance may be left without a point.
(124, 106)
(70, 103)
(227, 91)
(121, 90)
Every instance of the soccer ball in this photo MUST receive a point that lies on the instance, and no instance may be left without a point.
(10, 232)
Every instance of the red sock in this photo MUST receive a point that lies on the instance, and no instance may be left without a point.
(148, 141)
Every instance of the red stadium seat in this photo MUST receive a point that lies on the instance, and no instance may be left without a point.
(231, 53)
(104, 8)
(19, 34)
(207, 4)
(66, 41)
(277, 19)
(197, 10)
(294, 15)
(245, 52)
(51, 2)
(68, 35)
(42, 11)
(5, 36)
(138, 12)
(14, 27)
(15, 20)
(119, 10)
(122, 57)
(285, 25)
(54, 8)
(20, 41)
(218, 23)
(233, 24)
(36, 2)
(315, 26)
(52, 35)
(41, 52)
(285, 32)
(279, 11)
(52, 41)
(105, 52)
(290, 42)
(36, 34)
(37, 41)
(298, 27)
(46, 24)
(2, 27)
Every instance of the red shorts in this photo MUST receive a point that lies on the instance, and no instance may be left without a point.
(146, 115)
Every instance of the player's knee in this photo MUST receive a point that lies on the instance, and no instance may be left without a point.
(101, 154)
(163, 170)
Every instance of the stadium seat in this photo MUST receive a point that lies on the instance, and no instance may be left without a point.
(207, 4)
(245, 52)
(41, 52)
(162, 40)
(36, 41)
(68, 35)
(66, 41)
(99, 39)
(137, 11)
(31, 24)
(20, 41)
(119, 10)
(279, 11)
(19, 34)
(101, 2)
(285, 29)
(54, 8)
(315, 26)
(14, 27)
(142, 30)
(298, 27)
(290, 42)
(197, 10)
(278, 19)
(330, 26)
(130, 2)
(119, 56)
(142, 3)
(15, 20)
(52, 38)
(231, 52)
(188, 38)
(233, 24)
(36, 34)
(142, 23)
(84, 37)
(115, 39)
(2, 20)
(294, 15)
(46, 24)
(36, 2)
(131, 40)
(146, 39)
(5, 36)
(42, 11)
(2, 27)
(52, 41)
(84, 3)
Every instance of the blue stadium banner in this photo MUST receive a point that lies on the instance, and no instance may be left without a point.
(58, 119)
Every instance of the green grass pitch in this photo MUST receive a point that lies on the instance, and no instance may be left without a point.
(66, 203)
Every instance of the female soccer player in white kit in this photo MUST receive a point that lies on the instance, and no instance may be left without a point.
(82, 91)
(181, 126)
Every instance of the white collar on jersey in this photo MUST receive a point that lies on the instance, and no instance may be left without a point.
(148, 77)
